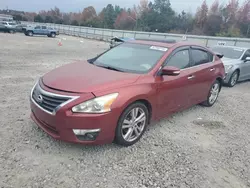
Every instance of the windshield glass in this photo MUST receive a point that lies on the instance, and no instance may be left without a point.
(229, 52)
(134, 58)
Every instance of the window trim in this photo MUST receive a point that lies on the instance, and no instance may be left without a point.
(176, 51)
(201, 49)
(187, 47)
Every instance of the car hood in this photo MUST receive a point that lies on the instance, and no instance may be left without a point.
(228, 61)
(81, 77)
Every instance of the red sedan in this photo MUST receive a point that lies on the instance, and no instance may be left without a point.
(114, 96)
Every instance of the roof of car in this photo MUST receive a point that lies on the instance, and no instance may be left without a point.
(167, 44)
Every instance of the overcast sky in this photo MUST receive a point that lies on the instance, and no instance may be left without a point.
(78, 5)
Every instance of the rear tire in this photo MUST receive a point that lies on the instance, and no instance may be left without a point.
(132, 124)
(234, 79)
(53, 35)
(213, 94)
(11, 31)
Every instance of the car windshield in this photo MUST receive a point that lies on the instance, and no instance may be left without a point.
(134, 58)
(229, 52)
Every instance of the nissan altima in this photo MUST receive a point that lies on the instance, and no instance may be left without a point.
(114, 96)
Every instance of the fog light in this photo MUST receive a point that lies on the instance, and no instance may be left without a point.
(86, 134)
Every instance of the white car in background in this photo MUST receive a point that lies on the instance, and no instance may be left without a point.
(236, 61)
(6, 26)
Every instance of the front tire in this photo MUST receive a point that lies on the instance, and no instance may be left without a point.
(132, 124)
(234, 79)
(213, 94)
(30, 33)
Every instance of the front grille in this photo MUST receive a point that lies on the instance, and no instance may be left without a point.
(48, 101)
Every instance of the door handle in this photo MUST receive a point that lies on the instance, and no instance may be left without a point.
(191, 77)
(212, 69)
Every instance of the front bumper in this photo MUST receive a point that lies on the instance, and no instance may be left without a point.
(60, 126)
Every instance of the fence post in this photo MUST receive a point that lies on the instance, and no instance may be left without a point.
(135, 35)
(235, 42)
(87, 31)
(206, 42)
(103, 34)
(123, 34)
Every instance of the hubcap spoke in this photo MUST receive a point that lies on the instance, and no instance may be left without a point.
(124, 126)
(134, 113)
(137, 132)
(140, 118)
(128, 134)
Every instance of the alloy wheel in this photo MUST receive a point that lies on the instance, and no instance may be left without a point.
(133, 124)
(234, 79)
(214, 93)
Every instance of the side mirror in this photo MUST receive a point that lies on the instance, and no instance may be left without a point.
(170, 71)
(247, 59)
(219, 55)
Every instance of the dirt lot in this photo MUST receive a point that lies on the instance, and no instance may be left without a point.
(200, 147)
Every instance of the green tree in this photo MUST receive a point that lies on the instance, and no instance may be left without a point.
(48, 19)
(38, 18)
(109, 16)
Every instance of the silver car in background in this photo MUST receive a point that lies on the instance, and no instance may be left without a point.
(237, 63)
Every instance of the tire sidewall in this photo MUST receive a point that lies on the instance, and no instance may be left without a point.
(118, 133)
(30, 33)
(53, 35)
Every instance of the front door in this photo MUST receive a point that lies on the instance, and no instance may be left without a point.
(245, 67)
(174, 91)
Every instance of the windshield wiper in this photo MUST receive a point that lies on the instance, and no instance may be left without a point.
(110, 68)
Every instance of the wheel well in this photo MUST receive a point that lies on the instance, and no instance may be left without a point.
(221, 81)
(148, 105)
(238, 70)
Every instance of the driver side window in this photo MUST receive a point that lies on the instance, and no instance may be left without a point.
(179, 60)
(37, 27)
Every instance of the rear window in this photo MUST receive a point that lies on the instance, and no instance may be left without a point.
(135, 58)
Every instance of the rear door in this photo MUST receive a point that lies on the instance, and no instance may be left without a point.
(37, 30)
(45, 30)
(174, 91)
(245, 67)
(205, 72)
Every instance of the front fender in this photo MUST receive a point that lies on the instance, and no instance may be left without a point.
(130, 94)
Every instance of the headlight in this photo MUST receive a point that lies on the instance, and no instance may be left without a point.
(96, 105)
(228, 67)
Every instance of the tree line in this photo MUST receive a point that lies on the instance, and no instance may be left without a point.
(229, 20)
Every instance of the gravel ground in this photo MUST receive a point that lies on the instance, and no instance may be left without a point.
(199, 147)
